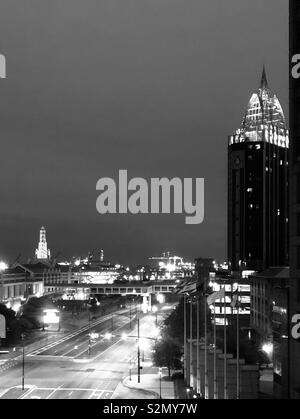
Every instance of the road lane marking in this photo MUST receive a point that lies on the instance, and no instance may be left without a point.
(58, 388)
(74, 333)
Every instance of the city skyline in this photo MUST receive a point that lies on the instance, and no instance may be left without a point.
(73, 129)
(150, 217)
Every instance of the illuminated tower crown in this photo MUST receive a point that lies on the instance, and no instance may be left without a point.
(264, 120)
(42, 252)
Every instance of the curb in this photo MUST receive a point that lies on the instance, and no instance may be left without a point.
(152, 393)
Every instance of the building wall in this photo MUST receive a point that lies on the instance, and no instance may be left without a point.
(295, 197)
(261, 307)
(257, 205)
(17, 286)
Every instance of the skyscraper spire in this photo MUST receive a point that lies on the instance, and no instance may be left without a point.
(264, 81)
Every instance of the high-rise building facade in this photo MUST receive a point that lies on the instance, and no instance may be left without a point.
(258, 185)
(294, 285)
(42, 252)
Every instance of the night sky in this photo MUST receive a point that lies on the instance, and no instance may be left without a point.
(151, 86)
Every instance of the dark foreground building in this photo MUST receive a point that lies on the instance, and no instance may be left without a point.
(294, 352)
(258, 185)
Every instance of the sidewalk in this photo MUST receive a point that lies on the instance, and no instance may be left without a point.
(148, 388)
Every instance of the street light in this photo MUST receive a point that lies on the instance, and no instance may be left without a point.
(160, 375)
(268, 348)
(130, 368)
(23, 362)
(155, 310)
(139, 353)
(160, 298)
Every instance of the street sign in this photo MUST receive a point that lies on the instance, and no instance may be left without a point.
(2, 327)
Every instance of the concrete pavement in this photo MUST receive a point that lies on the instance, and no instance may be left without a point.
(82, 378)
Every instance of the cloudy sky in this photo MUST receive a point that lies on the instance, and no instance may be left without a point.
(151, 86)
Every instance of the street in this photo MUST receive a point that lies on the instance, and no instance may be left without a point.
(65, 370)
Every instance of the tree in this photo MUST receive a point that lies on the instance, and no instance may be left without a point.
(174, 323)
(33, 310)
(167, 354)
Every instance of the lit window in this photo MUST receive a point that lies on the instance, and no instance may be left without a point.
(250, 190)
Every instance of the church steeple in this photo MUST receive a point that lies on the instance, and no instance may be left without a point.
(42, 252)
(264, 81)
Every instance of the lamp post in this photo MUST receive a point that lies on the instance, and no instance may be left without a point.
(138, 352)
(23, 362)
(90, 345)
(160, 376)
(130, 313)
(130, 367)
(184, 338)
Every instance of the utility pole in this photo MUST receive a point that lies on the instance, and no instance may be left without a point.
(130, 370)
(184, 339)
(198, 349)
(90, 346)
(206, 388)
(191, 380)
(160, 374)
(130, 313)
(23, 362)
(139, 354)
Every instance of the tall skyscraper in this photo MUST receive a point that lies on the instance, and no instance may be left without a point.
(258, 185)
(42, 252)
(294, 285)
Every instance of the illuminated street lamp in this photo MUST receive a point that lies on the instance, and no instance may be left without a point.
(160, 298)
(267, 348)
(3, 266)
(156, 333)
(51, 317)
